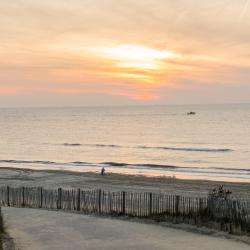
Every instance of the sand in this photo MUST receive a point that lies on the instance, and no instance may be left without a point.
(114, 182)
(41, 229)
(35, 229)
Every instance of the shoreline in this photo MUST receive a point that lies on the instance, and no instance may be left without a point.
(116, 182)
(147, 170)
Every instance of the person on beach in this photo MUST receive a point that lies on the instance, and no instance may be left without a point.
(103, 171)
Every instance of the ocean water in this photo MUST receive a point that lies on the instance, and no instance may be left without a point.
(150, 140)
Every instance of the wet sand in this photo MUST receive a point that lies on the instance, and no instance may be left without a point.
(115, 182)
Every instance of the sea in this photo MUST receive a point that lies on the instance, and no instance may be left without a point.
(213, 144)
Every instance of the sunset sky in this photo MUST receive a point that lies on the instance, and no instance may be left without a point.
(124, 52)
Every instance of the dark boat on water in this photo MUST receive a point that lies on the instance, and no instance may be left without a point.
(191, 113)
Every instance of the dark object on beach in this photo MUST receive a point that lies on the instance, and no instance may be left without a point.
(191, 113)
(103, 171)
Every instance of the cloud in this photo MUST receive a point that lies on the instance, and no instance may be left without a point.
(47, 47)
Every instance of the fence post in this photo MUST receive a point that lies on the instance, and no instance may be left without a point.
(201, 207)
(100, 201)
(59, 201)
(78, 200)
(235, 215)
(8, 196)
(177, 201)
(150, 204)
(41, 197)
(123, 202)
(23, 202)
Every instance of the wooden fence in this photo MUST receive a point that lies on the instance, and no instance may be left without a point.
(229, 215)
(1, 230)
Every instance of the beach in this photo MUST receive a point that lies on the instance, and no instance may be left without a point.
(39, 229)
(53, 179)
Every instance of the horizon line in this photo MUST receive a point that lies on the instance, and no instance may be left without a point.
(124, 105)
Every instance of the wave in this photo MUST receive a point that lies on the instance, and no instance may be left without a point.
(138, 166)
(190, 149)
(82, 163)
(187, 149)
(49, 163)
(92, 145)
(118, 164)
(106, 145)
(72, 144)
(149, 165)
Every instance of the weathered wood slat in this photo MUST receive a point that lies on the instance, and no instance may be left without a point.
(230, 215)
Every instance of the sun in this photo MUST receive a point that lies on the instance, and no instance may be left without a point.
(136, 57)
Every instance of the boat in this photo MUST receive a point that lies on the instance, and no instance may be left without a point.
(191, 113)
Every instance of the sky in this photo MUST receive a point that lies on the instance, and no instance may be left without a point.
(124, 52)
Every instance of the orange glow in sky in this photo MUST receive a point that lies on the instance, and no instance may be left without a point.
(136, 62)
(138, 57)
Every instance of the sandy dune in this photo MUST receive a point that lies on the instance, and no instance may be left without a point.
(40, 229)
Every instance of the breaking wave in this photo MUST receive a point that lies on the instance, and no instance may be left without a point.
(187, 149)
(123, 165)
(72, 144)
(190, 149)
